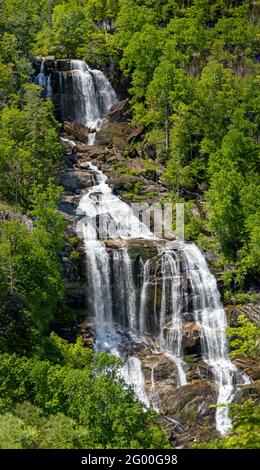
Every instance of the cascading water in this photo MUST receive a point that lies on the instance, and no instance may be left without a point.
(44, 81)
(116, 300)
(118, 304)
(95, 96)
(169, 324)
(211, 318)
(112, 305)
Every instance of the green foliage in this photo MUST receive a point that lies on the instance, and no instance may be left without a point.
(31, 283)
(29, 148)
(194, 73)
(79, 401)
(244, 339)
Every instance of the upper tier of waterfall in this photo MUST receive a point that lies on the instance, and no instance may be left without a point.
(91, 94)
(95, 96)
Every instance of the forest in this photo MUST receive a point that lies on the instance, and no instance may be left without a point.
(190, 69)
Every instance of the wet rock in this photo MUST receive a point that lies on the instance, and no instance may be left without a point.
(77, 130)
(85, 329)
(114, 134)
(68, 205)
(191, 338)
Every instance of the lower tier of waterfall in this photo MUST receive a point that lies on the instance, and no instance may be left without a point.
(132, 301)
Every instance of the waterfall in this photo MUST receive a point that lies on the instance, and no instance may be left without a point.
(114, 295)
(111, 289)
(171, 334)
(44, 81)
(132, 373)
(90, 91)
(144, 297)
(125, 312)
(95, 96)
(211, 318)
(169, 324)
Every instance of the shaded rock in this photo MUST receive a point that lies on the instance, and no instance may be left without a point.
(118, 111)
(122, 181)
(251, 311)
(135, 134)
(77, 130)
(74, 180)
(75, 294)
(252, 391)
(114, 134)
(191, 338)
(156, 188)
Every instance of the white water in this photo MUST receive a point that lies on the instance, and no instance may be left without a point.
(44, 81)
(171, 336)
(111, 287)
(132, 373)
(95, 96)
(211, 318)
(116, 219)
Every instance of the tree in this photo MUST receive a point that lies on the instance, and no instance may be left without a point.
(244, 339)
(80, 395)
(29, 149)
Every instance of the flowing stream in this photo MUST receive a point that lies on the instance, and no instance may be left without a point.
(115, 300)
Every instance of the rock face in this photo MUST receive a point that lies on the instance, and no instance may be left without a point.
(77, 130)
(251, 311)
(118, 112)
(191, 338)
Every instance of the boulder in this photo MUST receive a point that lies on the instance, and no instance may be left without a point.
(252, 391)
(77, 130)
(91, 151)
(135, 134)
(75, 180)
(190, 404)
(122, 181)
(251, 311)
(191, 338)
(114, 134)
(153, 188)
(117, 111)
(248, 366)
